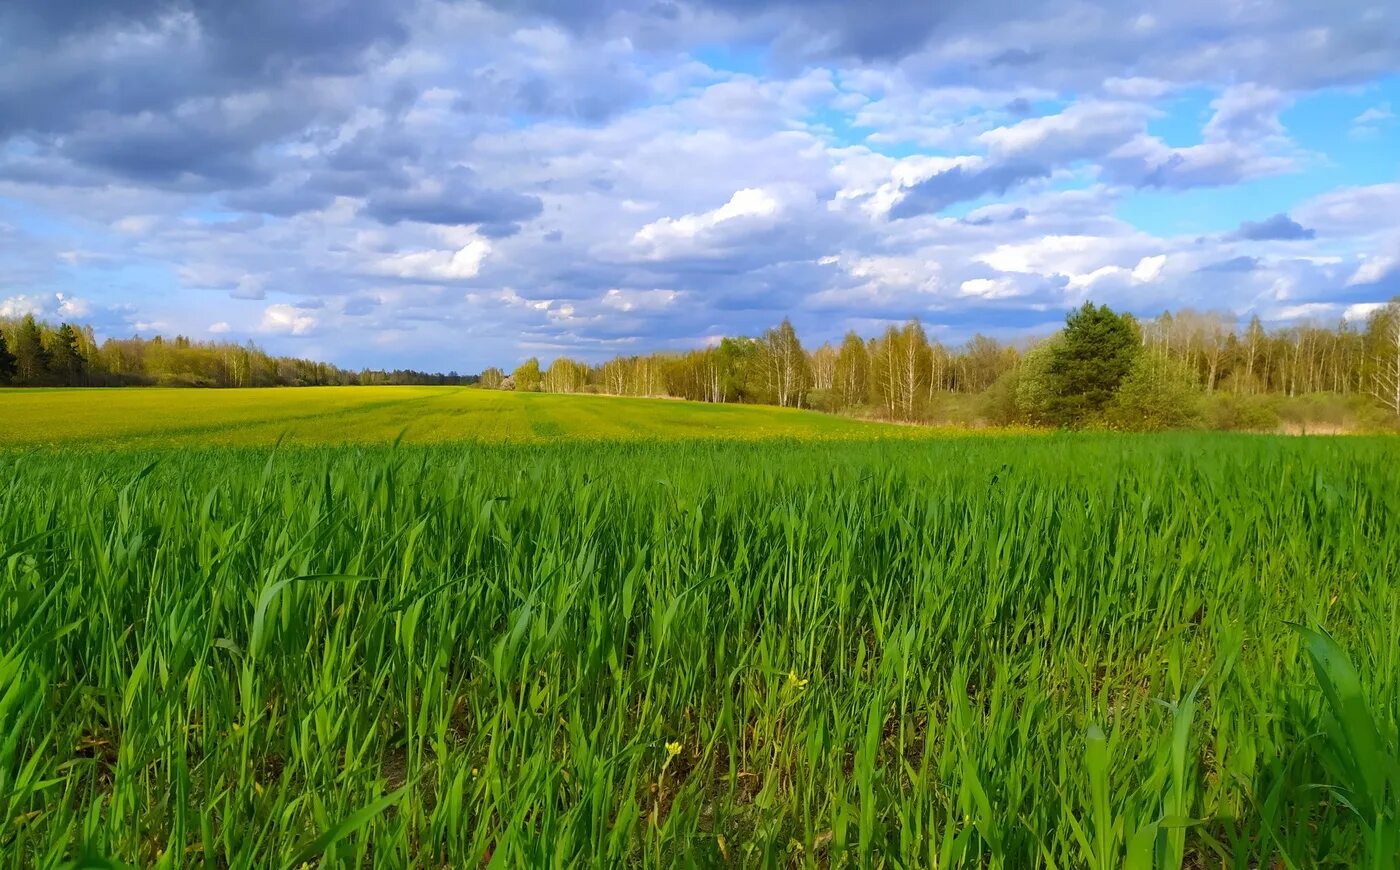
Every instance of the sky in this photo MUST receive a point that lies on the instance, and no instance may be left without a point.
(451, 185)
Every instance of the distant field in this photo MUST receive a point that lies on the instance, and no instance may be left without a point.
(377, 415)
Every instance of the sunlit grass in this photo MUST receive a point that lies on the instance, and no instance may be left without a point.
(379, 415)
(1060, 651)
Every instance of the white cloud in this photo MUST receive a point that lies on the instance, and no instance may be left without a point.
(1372, 269)
(1082, 130)
(219, 328)
(1149, 269)
(286, 320)
(747, 203)
(989, 288)
(18, 306)
(1369, 123)
(1358, 210)
(639, 300)
(1361, 310)
(465, 262)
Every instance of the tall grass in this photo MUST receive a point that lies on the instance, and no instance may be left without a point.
(1057, 652)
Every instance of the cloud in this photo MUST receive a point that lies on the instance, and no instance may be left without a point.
(989, 288)
(285, 320)
(1373, 270)
(1234, 264)
(1360, 311)
(1360, 210)
(710, 233)
(1280, 228)
(220, 328)
(646, 174)
(455, 198)
(1372, 120)
(961, 183)
(436, 265)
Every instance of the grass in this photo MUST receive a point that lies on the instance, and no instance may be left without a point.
(988, 651)
(377, 415)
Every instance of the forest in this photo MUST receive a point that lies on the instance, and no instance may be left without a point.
(1104, 369)
(35, 353)
(1187, 369)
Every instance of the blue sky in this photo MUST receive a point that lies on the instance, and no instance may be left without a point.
(451, 185)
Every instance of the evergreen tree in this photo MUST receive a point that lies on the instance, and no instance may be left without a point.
(31, 360)
(66, 358)
(8, 364)
(1095, 352)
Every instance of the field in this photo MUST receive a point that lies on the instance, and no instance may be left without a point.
(379, 415)
(1062, 651)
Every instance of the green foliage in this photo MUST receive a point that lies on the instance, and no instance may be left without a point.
(851, 380)
(31, 359)
(1242, 413)
(527, 376)
(491, 378)
(66, 359)
(1158, 393)
(1094, 353)
(8, 364)
(1065, 651)
(1036, 385)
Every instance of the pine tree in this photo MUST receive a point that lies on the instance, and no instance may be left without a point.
(8, 364)
(66, 358)
(1094, 354)
(31, 360)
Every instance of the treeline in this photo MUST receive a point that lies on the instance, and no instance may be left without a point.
(1103, 369)
(35, 353)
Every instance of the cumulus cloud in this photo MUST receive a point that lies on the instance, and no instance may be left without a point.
(436, 265)
(286, 320)
(393, 168)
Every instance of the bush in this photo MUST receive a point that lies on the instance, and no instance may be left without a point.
(1158, 393)
(1241, 413)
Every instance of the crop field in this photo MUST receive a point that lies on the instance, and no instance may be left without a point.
(1064, 651)
(379, 415)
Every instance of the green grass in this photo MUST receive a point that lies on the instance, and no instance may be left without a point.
(378, 415)
(1060, 652)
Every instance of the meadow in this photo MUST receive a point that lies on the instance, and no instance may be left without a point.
(172, 417)
(1064, 651)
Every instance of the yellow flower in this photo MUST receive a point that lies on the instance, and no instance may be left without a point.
(794, 682)
(672, 750)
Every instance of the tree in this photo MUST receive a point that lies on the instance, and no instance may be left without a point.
(565, 376)
(1383, 341)
(491, 378)
(66, 358)
(31, 360)
(901, 364)
(8, 364)
(1095, 352)
(823, 366)
(851, 379)
(527, 377)
(785, 364)
(1034, 387)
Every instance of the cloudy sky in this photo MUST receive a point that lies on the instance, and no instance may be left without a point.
(451, 185)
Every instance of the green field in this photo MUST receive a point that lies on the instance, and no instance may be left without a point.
(1061, 651)
(378, 415)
